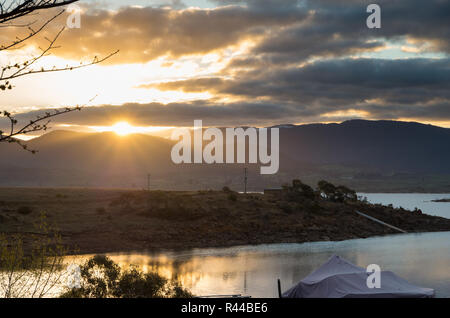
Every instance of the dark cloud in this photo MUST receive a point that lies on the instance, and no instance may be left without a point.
(238, 114)
(177, 114)
(340, 81)
(336, 28)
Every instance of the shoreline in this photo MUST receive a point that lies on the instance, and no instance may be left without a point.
(188, 250)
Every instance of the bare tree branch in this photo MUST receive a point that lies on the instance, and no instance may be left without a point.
(36, 125)
(20, 8)
(40, 123)
(9, 12)
(19, 69)
(31, 34)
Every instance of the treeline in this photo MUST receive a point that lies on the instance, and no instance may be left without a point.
(325, 191)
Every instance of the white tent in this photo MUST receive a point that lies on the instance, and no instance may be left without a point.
(338, 278)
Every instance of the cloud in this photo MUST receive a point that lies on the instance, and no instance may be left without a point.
(243, 113)
(175, 114)
(145, 33)
(338, 28)
(286, 31)
(338, 81)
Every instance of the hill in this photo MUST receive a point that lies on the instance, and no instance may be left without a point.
(101, 220)
(366, 155)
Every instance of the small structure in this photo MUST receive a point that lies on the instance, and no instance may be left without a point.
(273, 191)
(338, 278)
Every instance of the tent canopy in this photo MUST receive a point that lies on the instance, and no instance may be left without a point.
(338, 278)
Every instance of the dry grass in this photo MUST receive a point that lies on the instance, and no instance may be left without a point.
(99, 220)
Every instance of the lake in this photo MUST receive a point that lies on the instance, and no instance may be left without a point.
(422, 259)
(410, 201)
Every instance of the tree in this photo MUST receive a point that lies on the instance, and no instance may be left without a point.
(102, 278)
(11, 15)
(347, 193)
(327, 190)
(298, 192)
(336, 194)
(303, 189)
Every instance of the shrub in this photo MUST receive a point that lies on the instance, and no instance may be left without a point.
(327, 190)
(226, 189)
(336, 194)
(102, 278)
(232, 196)
(31, 271)
(24, 210)
(299, 191)
(347, 193)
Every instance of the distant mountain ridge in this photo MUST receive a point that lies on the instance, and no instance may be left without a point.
(346, 150)
(381, 145)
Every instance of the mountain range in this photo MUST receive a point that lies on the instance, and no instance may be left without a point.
(368, 155)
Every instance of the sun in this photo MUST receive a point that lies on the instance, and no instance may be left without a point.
(122, 128)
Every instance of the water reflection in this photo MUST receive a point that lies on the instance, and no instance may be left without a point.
(423, 259)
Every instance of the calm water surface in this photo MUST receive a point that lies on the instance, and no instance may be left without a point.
(410, 201)
(422, 259)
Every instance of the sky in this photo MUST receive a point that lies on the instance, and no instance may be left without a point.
(240, 62)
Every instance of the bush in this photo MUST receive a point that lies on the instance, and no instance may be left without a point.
(30, 271)
(226, 189)
(24, 210)
(347, 193)
(298, 192)
(336, 194)
(232, 196)
(102, 278)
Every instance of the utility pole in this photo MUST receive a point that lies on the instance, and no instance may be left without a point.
(148, 182)
(245, 180)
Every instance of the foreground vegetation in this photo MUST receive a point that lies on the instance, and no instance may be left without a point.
(100, 221)
(33, 270)
(41, 270)
(100, 277)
